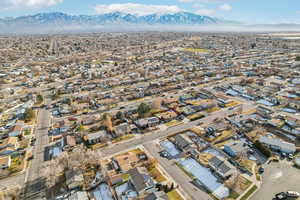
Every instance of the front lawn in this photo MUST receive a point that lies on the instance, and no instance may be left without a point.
(249, 193)
(174, 195)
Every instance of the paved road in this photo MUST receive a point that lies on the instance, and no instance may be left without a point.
(278, 177)
(11, 182)
(33, 172)
(35, 184)
(177, 175)
(114, 149)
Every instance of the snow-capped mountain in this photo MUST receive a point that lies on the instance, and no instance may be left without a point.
(62, 21)
(56, 18)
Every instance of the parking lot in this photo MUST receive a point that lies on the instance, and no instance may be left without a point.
(278, 177)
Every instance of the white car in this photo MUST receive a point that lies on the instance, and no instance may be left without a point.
(293, 194)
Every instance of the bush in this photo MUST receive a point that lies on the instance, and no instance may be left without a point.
(143, 109)
(29, 114)
(297, 58)
(40, 98)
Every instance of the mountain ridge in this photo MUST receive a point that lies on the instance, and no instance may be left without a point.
(59, 18)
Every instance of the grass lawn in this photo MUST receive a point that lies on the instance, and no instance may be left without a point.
(122, 138)
(233, 195)
(233, 103)
(137, 151)
(249, 193)
(214, 109)
(156, 174)
(244, 183)
(27, 131)
(258, 176)
(24, 143)
(247, 163)
(225, 134)
(173, 123)
(197, 50)
(17, 164)
(125, 177)
(174, 195)
(98, 146)
(196, 116)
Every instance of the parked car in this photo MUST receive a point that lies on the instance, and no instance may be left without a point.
(261, 170)
(250, 151)
(281, 196)
(292, 194)
(290, 156)
(164, 154)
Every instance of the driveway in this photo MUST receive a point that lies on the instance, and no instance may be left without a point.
(278, 177)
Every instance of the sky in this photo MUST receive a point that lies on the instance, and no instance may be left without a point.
(246, 11)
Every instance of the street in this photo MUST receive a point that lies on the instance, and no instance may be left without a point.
(114, 149)
(181, 179)
(33, 177)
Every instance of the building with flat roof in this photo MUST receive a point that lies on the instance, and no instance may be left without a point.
(278, 145)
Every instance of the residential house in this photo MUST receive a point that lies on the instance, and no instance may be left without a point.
(88, 120)
(221, 166)
(157, 196)
(5, 162)
(16, 130)
(235, 148)
(9, 142)
(142, 123)
(94, 138)
(181, 143)
(141, 181)
(168, 116)
(122, 129)
(69, 142)
(153, 121)
(7, 151)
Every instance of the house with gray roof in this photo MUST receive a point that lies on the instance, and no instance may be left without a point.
(278, 145)
(221, 166)
(141, 181)
(235, 148)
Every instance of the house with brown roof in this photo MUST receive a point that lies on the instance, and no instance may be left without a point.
(16, 130)
(9, 142)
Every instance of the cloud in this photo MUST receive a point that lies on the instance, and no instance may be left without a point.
(202, 1)
(225, 7)
(205, 11)
(138, 9)
(10, 4)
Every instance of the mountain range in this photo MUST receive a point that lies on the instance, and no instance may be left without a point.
(57, 20)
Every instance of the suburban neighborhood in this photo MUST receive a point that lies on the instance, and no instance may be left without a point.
(154, 115)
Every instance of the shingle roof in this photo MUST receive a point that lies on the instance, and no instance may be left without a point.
(137, 179)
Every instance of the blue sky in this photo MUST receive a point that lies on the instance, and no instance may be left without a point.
(248, 11)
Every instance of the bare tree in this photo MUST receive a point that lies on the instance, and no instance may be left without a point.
(234, 181)
(156, 104)
(108, 122)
